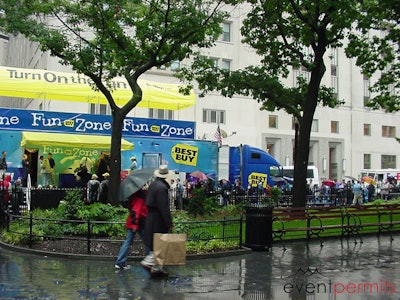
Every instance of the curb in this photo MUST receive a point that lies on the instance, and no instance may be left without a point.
(242, 251)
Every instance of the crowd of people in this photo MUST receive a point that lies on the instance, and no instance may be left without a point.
(354, 192)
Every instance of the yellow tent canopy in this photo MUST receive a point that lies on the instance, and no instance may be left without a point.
(74, 87)
(64, 139)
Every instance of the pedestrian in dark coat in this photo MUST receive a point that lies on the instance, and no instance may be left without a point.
(158, 218)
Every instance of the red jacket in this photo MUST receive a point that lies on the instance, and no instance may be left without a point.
(136, 204)
(5, 188)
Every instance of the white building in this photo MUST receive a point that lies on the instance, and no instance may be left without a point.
(343, 140)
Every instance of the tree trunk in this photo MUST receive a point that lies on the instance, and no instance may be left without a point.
(302, 146)
(301, 161)
(115, 157)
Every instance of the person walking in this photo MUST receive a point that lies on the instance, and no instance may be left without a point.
(133, 165)
(102, 166)
(26, 169)
(357, 192)
(52, 164)
(93, 187)
(134, 224)
(158, 218)
(3, 164)
(103, 189)
(5, 192)
(179, 194)
(45, 170)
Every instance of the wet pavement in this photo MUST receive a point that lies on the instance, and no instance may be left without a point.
(338, 270)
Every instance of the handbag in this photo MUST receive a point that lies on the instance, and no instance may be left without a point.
(169, 248)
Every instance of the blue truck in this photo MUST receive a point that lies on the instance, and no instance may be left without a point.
(248, 164)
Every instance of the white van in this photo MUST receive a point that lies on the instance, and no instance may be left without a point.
(312, 173)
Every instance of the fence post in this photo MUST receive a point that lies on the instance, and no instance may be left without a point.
(241, 232)
(88, 236)
(30, 229)
(223, 229)
(8, 221)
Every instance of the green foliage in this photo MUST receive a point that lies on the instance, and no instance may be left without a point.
(196, 247)
(51, 225)
(180, 219)
(102, 212)
(230, 210)
(275, 194)
(201, 205)
(201, 235)
(71, 204)
(19, 234)
(380, 201)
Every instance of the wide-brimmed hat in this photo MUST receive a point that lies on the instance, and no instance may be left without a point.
(133, 158)
(106, 174)
(94, 176)
(162, 172)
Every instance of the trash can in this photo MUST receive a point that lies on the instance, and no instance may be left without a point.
(258, 227)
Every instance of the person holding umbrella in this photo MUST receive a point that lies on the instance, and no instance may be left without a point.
(134, 223)
(133, 188)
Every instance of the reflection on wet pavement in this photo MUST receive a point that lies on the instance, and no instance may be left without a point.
(338, 270)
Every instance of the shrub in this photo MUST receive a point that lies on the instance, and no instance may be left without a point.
(201, 205)
(71, 204)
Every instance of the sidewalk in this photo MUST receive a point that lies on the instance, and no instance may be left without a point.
(348, 270)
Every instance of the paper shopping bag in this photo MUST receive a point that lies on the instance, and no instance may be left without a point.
(169, 248)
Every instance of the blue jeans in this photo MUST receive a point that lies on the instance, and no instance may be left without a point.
(124, 251)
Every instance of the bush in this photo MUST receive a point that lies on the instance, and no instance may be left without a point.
(71, 204)
(201, 205)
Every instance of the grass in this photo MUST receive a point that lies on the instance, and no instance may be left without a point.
(366, 214)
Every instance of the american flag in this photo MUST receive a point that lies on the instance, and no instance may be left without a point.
(218, 136)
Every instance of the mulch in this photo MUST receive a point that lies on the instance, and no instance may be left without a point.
(79, 247)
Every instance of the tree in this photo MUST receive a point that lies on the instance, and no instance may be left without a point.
(103, 39)
(288, 34)
(376, 47)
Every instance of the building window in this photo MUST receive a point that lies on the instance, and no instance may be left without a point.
(388, 161)
(334, 57)
(388, 131)
(335, 84)
(99, 109)
(213, 116)
(334, 127)
(302, 72)
(367, 161)
(314, 126)
(226, 64)
(273, 121)
(226, 35)
(163, 114)
(367, 94)
(367, 129)
(214, 61)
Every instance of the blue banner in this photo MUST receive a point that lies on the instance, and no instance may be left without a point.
(47, 121)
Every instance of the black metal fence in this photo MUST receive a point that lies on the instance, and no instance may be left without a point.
(94, 237)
